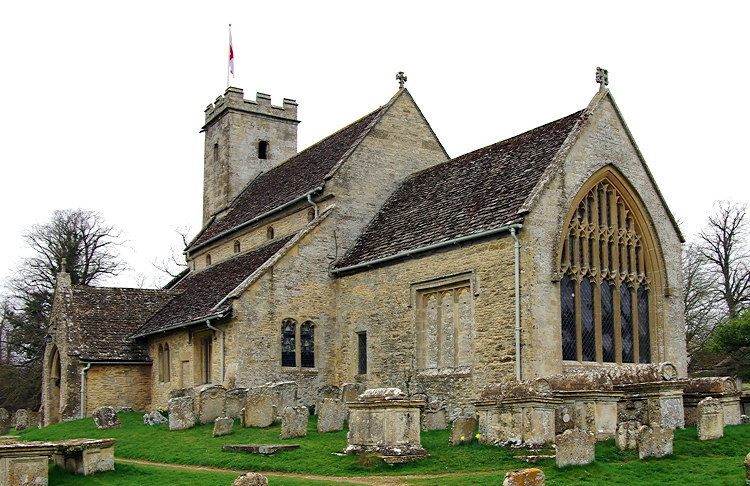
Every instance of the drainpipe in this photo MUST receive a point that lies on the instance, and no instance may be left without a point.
(310, 200)
(517, 272)
(83, 389)
(221, 350)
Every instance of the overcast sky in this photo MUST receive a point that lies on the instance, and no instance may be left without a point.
(102, 102)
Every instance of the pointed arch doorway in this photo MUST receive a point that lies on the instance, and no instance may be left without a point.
(53, 384)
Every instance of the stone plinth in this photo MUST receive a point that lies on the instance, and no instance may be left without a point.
(595, 411)
(722, 388)
(527, 421)
(710, 419)
(294, 422)
(385, 422)
(223, 426)
(181, 413)
(662, 400)
(655, 441)
(525, 477)
(251, 479)
(25, 463)
(331, 415)
(260, 409)
(463, 430)
(85, 456)
(575, 447)
(106, 418)
(262, 449)
(211, 402)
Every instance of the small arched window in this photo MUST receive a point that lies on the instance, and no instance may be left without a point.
(269, 233)
(208, 259)
(163, 363)
(236, 246)
(307, 344)
(288, 342)
(263, 149)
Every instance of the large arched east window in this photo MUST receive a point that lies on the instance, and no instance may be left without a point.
(606, 276)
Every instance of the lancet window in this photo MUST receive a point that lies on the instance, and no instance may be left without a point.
(605, 280)
(291, 334)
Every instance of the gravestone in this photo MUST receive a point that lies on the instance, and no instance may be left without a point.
(154, 418)
(20, 419)
(710, 419)
(331, 415)
(235, 402)
(525, 477)
(285, 394)
(251, 479)
(655, 441)
(260, 410)
(294, 422)
(747, 469)
(222, 426)
(33, 419)
(627, 435)
(4, 421)
(575, 447)
(463, 430)
(181, 413)
(106, 418)
(211, 401)
(434, 419)
(350, 391)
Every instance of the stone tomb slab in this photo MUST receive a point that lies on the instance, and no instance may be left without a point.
(25, 463)
(85, 456)
(262, 449)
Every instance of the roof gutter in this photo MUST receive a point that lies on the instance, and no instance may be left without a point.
(307, 196)
(435, 246)
(218, 315)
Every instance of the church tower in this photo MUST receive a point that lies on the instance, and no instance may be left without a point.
(243, 139)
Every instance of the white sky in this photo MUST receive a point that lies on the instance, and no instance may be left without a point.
(103, 101)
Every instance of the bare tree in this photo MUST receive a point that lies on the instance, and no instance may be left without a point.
(174, 264)
(703, 309)
(724, 245)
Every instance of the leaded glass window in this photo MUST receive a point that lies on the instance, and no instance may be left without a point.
(604, 283)
(307, 344)
(288, 343)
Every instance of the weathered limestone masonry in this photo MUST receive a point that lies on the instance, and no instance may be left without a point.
(85, 456)
(525, 477)
(485, 270)
(25, 463)
(463, 430)
(655, 441)
(235, 128)
(604, 141)
(722, 388)
(118, 386)
(294, 422)
(106, 418)
(384, 421)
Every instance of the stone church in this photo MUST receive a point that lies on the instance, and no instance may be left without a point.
(372, 257)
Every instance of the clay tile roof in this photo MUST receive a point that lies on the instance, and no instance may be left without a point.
(294, 178)
(105, 318)
(477, 192)
(200, 292)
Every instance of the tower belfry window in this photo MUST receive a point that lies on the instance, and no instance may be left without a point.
(263, 149)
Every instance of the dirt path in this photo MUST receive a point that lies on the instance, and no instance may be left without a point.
(369, 480)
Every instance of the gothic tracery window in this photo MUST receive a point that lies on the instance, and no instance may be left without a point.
(605, 281)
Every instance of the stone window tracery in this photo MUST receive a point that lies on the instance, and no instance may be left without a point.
(605, 281)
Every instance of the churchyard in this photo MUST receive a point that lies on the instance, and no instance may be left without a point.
(708, 462)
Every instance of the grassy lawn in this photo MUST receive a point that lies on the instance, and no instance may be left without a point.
(694, 462)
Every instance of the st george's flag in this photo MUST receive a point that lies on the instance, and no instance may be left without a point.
(231, 52)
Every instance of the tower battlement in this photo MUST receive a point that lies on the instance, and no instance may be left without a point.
(234, 99)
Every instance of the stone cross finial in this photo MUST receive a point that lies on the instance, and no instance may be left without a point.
(401, 79)
(602, 77)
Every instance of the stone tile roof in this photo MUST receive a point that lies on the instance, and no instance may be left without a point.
(200, 293)
(105, 318)
(296, 177)
(477, 192)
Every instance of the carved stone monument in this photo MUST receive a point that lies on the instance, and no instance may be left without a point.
(710, 419)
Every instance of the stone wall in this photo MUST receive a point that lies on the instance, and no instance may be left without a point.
(118, 386)
(381, 302)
